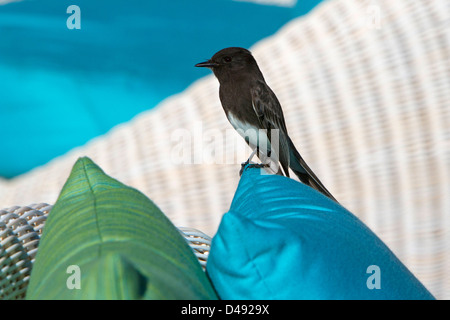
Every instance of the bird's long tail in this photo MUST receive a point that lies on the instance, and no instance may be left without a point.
(304, 173)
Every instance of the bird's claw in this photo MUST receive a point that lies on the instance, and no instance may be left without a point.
(252, 165)
(243, 164)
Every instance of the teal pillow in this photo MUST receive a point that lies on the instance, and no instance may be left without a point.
(104, 240)
(284, 240)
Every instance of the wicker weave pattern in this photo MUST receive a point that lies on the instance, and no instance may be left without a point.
(365, 88)
(20, 231)
(199, 242)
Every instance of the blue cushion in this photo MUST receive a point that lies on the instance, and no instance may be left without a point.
(284, 240)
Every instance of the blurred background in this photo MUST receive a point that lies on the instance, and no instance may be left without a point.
(66, 86)
(364, 84)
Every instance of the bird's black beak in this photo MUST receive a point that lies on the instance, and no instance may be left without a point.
(207, 64)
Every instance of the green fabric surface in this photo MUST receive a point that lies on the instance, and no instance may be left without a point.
(123, 245)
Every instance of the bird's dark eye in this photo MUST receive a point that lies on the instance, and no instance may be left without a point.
(227, 59)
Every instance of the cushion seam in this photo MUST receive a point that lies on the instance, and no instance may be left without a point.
(95, 209)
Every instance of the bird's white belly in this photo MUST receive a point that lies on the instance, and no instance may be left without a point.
(254, 136)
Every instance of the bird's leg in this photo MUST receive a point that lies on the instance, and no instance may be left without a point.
(251, 156)
(253, 165)
(243, 164)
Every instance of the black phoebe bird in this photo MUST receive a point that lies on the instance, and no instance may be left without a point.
(250, 105)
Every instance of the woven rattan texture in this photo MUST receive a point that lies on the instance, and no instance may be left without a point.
(20, 231)
(365, 91)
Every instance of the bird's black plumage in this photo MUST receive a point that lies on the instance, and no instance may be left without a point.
(249, 103)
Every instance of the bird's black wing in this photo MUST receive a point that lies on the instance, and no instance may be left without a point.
(270, 115)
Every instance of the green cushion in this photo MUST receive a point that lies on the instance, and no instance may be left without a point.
(116, 242)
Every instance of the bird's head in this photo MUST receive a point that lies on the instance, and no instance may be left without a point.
(233, 62)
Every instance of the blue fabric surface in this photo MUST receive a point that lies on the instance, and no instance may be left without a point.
(64, 87)
(283, 240)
